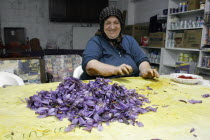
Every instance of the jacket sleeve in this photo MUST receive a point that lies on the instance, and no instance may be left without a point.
(92, 51)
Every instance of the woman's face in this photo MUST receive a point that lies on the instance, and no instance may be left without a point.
(112, 27)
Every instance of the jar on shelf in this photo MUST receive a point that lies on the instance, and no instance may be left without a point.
(202, 5)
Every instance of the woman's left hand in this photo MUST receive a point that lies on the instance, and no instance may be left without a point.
(149, 73)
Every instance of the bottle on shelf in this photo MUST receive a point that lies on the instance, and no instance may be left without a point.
(180, 7)
(170, 43)
(154, 57)
(187, 2)
(202, 4)
(205, 61)
(187, 57)
(198, 20)
(184, 7)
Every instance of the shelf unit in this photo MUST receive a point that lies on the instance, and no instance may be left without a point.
(155, 61)
(170, 54)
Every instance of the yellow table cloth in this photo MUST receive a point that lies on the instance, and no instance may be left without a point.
(173, 120)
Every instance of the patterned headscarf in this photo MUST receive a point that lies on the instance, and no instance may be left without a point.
(104, 15)
(110, 11)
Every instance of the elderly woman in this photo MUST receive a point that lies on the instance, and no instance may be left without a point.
(110, 54)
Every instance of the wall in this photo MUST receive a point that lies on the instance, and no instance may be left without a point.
(139, 11)
(33, 15)
(144, 9)
(123, 5)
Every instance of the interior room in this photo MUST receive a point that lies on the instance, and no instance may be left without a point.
(45, 49)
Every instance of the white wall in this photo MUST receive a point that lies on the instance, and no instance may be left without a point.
(144, 9)
(33, 15)
(139, 11)
(123, 5)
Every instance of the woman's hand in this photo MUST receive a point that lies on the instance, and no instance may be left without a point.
(95, 68)
(123, 70)
(147, 72)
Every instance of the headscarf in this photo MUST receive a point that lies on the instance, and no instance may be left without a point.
(104, 15)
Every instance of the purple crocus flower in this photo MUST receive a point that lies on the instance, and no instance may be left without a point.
(90, 104)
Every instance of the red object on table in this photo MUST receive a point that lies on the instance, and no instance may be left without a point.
(186, 77)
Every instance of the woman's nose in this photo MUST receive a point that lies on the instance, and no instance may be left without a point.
(112, 26)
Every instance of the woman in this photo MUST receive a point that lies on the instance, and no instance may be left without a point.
(110, 54)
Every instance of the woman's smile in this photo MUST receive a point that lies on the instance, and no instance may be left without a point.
(112, 27)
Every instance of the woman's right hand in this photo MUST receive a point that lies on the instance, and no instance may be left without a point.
(124, 69)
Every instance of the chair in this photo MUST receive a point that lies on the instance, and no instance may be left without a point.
(35, 45)
(10, 79)
(77, 72)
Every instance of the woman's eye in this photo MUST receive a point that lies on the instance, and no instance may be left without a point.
(115, 23)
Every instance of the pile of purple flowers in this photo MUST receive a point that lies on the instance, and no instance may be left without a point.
(88, 105)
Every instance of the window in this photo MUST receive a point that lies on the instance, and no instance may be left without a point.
(76, 10)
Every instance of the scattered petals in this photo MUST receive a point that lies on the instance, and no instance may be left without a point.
(42, 116)
(149, 108)
(22, 100)
(165, 105)
(69, 128)
(140, 124)
(205, 95)
(149, 88)
(100, 127)
(194, 101)
(192, 130)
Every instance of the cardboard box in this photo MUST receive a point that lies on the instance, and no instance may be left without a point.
(185, 67)
(178, 40)
(192, 39)
(137, 31)
(193, 4)
(157, 39)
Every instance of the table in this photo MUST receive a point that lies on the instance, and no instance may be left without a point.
(173, 120)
